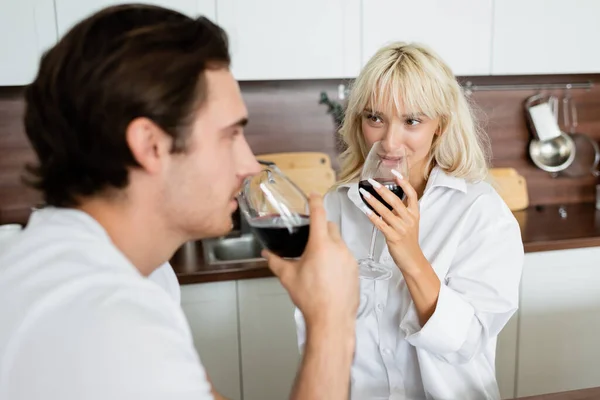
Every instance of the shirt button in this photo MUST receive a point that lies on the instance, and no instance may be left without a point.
(380, 307)
(387, 352)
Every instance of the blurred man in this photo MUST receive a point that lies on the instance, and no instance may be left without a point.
(138, 124)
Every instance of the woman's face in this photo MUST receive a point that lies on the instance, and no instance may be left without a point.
(413, 132)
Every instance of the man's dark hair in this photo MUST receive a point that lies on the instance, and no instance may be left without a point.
(121, 63)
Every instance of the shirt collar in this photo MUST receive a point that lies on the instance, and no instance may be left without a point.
(437, 178)
(81, 231)
(67, 218)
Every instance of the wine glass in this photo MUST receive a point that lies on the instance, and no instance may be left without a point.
(277, 211)
(378, 166)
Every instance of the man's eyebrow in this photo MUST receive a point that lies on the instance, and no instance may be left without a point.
(242, 122)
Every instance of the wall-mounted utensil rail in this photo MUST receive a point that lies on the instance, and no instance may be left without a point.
(470, 87)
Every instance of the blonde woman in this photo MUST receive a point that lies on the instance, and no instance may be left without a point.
(429, 332)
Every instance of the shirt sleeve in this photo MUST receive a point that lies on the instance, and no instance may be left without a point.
(332, 206)
(118, 345)
(478, 296)
(300, 329)
(331, 203)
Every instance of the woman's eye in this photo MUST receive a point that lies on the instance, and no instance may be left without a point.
(412, 121)
(374, 118)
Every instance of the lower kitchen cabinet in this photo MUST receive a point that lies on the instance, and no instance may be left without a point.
(211, 309)
(506, 358)
(559, 327)
(269, 350)
(246, 335)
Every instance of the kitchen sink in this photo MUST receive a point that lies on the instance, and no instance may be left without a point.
(227, 250)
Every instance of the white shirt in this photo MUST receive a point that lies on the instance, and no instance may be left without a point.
(79, 322)
(165, 277)
(473, 243)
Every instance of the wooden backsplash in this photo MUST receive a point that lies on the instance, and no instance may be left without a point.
(287, 116)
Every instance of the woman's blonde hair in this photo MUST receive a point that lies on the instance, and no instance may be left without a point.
(413, 75)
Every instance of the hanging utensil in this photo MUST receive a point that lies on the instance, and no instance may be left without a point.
(553, 103)
(587, 152)
(550, 149)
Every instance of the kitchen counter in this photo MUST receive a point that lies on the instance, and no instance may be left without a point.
(542, 229)
(190, 267)
(584, 394)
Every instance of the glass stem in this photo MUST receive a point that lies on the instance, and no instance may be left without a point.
(372, 247)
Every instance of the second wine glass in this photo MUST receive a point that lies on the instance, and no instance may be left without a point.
(277, 211)
(378, 166)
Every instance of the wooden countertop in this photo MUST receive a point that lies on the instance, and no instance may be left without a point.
(584, 394)
(542, 229)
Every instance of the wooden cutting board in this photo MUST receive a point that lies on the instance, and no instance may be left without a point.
(318, 180)
(298, 160)
(511, 186)
(496, 172)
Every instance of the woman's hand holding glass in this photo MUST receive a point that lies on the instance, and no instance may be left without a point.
(400, 224)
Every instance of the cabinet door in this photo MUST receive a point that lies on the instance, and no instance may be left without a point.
(546, 36)
(211, 309)
(560, 322)
(70, 12)
(290, 39)
(270, 354)
(458, 30)
(506, 358)
(27, 29)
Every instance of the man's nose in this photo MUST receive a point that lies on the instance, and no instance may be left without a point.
(248, 164)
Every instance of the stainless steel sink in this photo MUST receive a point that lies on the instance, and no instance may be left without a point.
(232, 249)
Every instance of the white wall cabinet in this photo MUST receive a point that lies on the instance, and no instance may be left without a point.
(458, 30)
(69, 12)
(559, 325)
(313, 39)
(289, 39)
(269, 349)
(27, 29)
(211, 309)
(546, 36)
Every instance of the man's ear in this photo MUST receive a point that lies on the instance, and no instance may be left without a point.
(148, 143)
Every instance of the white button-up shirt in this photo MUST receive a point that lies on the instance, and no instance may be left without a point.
(473, 243)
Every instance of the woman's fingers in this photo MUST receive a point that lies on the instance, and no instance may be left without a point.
(389, 232)
(409, 191)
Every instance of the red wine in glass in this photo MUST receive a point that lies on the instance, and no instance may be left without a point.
(391, 185)
(275, 235)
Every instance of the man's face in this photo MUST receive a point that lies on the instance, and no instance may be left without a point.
(201, 183)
